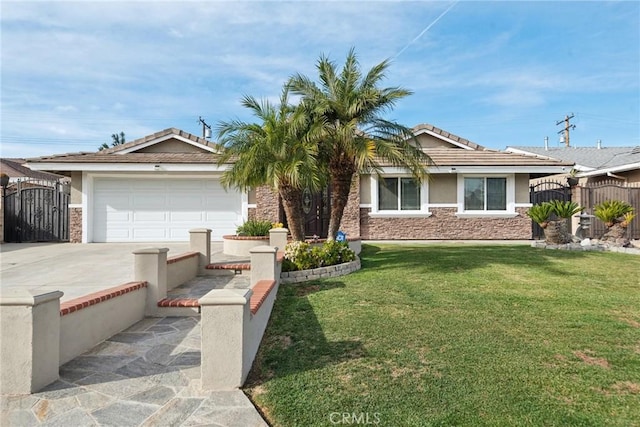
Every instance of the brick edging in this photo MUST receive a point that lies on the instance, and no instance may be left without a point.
(229, 266)
(261, 291)
(320, 273)
(181, 257)
(235, 237)
(179, 302)
(98, 297)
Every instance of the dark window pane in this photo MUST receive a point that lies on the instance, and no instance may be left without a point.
(473, 194)
(409, 195)
(496, 194)
(388, 194)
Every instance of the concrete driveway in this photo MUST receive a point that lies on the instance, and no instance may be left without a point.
(73, 268)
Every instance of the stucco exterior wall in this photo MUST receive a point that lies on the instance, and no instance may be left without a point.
(443, 188)
(172, 146)
(428, 141)
(76, 188)
(522, 188)
(365, 189)
(444, 225)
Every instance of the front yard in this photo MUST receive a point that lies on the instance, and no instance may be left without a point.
(457, 335)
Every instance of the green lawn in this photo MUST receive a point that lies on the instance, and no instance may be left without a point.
(457, 335)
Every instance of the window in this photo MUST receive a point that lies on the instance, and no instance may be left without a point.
(485, 194)
(398, 194)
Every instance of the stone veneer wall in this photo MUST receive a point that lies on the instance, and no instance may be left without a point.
(75, 225)
(444, 225)
(267, 205)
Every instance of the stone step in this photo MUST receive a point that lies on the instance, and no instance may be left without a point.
(228, 268)
(178, 307)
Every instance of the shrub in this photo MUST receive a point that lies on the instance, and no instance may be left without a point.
(300, 256)
(254, 227)
(610, 210)
(303, 256)
(540, 213)
(565, 209)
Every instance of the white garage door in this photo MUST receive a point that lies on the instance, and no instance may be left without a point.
(161, 210)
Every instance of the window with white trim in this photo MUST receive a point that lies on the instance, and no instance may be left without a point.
(485, 194)
(398, 194)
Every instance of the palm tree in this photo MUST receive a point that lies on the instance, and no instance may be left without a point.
(117, 139)
(273, 151)
(354, 137)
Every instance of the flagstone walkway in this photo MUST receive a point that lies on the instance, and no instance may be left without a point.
(148, 375)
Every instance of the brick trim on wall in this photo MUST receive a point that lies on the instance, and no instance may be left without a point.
(98, 297)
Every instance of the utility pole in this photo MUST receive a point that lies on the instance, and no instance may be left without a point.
(566, 129)
(206, 129)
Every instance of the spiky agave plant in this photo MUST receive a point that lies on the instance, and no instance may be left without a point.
(565, 209)
(610, 210)
(541, 213)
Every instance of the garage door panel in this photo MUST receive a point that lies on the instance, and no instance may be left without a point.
(150, 234)
(186, 216)
(149, 216)
(162, 209)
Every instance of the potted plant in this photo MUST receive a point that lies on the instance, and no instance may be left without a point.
(553, 217)
(251, 233)
(616, 215)
(572, 179)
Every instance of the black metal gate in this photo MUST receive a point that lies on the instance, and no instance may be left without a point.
(545, 191)
(36, 211)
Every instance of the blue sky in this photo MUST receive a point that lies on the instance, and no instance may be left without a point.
(496, 73)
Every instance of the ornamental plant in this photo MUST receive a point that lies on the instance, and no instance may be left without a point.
(303, 256)
(541, 213)
(254, 227)
(565, 209)
(610, 211)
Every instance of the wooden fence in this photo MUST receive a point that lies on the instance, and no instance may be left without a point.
(592, 194)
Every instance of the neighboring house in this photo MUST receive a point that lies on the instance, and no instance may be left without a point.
(604, 173)
(15, 170)
(593, 164)
(158, 187)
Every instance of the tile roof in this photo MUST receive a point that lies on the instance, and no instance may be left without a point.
(427, 127)
(14, 169)
(157, 135)
(590, 157)
(461, 157)
(102, 157)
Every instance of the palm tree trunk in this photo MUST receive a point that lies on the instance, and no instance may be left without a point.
(340, 187)
(292, 203)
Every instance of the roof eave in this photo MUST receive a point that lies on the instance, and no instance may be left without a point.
(614, 169)
(128, 167)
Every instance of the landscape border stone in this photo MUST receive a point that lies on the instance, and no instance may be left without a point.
(597, 247)
(320, 273)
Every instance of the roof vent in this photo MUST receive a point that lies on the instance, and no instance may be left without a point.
(599, 144)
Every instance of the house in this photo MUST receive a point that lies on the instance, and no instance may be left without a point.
(16, 171)
(158, 187)
(593, 164)
(603, 173)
